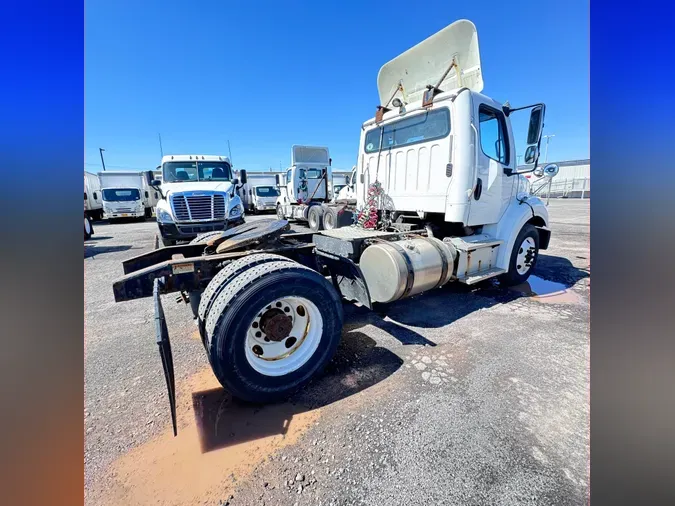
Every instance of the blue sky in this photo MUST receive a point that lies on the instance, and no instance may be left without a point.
(266, 75)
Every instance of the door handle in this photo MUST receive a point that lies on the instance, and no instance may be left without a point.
(479, 189)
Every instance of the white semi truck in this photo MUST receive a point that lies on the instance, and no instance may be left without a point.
(439, 199)
(198, 196)
(126, 194)
(260, 192)
(93, 200)
(305, 193)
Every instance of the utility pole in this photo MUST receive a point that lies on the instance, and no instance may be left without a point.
(548, 138)
(161, 151)
(101, 150)
(550, 181)
(230, 151)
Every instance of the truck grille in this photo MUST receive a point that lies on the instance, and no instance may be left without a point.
(198, 207)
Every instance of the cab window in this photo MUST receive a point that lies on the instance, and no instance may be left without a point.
(493, 139)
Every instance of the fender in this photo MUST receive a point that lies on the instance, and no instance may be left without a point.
(512, 221)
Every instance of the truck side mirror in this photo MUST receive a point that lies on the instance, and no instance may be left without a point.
(277, 178)
(155, 182)
(242, 175)
(551, 170)
(85, 195)
(536, 125)
(149, 176)
(235, 182)
(531, 154)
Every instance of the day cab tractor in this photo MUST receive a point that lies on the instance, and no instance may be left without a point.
(439, 198)
(305, 194)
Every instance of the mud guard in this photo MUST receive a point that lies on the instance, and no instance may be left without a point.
(162, 334)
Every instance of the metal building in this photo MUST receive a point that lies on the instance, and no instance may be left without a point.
(573, 181)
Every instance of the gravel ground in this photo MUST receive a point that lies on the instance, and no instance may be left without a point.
(463, 395)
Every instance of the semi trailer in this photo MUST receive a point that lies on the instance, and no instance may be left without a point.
(439, 199)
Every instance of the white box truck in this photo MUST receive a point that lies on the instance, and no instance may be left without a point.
(198, 195)
(93, 201)
(260, 192)
(439, 199)
(124, 194)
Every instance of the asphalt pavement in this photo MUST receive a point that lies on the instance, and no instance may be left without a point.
(462, 395)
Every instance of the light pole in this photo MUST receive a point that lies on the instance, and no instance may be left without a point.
(550, 181)
(101, 150)
(548, 138)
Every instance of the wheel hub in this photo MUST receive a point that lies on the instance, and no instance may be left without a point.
(276, 324)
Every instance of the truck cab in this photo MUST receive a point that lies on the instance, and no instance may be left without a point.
(263, 197)
(123, 194)
(441, 155)
(305, 184)
(198, 194)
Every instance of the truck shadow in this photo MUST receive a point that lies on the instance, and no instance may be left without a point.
(223, 421)
(91, 250)
(438, 308)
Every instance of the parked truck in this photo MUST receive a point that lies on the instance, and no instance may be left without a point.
(439, 199)
(198, 194)
(260, 192)
(125, 194)
(305, 190)
(93, 200)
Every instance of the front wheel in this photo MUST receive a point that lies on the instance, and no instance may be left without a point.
(271, 329)
(280, 212)
(523, 257)
(88, 228)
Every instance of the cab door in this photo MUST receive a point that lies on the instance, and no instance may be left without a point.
(494, 153)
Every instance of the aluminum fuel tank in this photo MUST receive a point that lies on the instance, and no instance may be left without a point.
(394, 270)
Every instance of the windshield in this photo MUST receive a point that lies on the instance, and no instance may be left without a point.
(182, 172)
(121, 194)
(266, 191)
(424, 127)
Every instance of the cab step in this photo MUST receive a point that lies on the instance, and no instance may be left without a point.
(481, 276)
(477, 257)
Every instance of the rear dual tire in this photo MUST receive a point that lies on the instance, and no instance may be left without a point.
(334, 218)
(315, 218)
(261, 362)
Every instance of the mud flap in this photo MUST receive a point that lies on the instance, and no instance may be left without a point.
(164, 344)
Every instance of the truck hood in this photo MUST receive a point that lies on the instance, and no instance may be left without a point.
(197, 186)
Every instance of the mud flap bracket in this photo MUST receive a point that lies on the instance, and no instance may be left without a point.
(162, 335)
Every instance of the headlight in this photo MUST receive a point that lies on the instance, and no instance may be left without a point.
(163, 216)
(235, 211)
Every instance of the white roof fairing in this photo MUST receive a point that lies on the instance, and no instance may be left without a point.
(425, 63)
(309, 154)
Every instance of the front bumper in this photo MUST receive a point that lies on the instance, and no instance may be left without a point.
(188, 231)
(128, 214)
